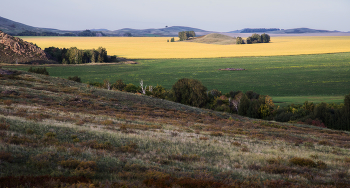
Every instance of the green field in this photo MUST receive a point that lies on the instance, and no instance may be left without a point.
(323, 77)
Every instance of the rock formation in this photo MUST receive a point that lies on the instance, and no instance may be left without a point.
(16, 50)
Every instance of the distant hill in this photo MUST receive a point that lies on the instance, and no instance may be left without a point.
(16, 28)
(301, 30)
(13, 28)
(15, 50)
(167, 31)
(214, 38)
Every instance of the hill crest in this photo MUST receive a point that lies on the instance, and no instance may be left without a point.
(214, 38)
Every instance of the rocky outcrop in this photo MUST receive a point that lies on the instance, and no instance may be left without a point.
(16, 50)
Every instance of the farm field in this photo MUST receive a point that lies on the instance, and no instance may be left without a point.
(158, 48)
(317, 78)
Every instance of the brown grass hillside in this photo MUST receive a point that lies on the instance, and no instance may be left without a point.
(58, 132)
(214, 38)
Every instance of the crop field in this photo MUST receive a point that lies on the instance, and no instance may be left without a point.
(291, 79)
(159, 48)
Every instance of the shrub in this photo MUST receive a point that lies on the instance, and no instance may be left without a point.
(244, 149)
(70, 163)
(131, 88)
(190, 92)
(302, 162)
(8, 102)
(185, 157)
(325, 143)
(6, 156)
(236, 144)
(119, 85)
(38, 70)
(217, 133)
(75, 78)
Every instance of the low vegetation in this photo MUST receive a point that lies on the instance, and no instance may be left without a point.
(71, 134)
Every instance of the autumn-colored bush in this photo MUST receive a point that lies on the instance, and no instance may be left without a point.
(217, 133)
(185, 157)
(181, 182)
(203, 138)
(8, 102)
(6, 156)
(95, 145)
(4, 126)
(19, 140)
(236, 143)
(325, 143)
(130, 147)
(302, 162)
(70, 163)
(278, 169)
(107, 122)
(244, 149)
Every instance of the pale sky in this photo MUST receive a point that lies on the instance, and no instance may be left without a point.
(211, 15)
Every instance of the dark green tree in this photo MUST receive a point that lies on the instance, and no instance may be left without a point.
(243, 105)
(239, 40)
(119, 85)
(190, 92)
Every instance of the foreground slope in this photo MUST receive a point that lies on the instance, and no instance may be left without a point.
(55, 127)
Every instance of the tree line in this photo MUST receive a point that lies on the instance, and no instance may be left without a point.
(255, 38)
(74, 55)
(251, 104)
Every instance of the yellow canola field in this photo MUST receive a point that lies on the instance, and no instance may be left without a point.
(159, 48)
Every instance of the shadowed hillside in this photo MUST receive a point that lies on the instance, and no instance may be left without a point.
(67, 133)
(214, 38)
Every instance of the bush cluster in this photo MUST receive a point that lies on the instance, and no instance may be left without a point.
(38, 70)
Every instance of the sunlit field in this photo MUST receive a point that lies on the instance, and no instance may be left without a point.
(159, 48)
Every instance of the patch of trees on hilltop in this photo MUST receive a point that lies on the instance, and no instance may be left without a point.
(74, 55)
(255, 38)
(184, 35)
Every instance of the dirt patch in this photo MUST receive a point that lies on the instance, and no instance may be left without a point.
(233, 69)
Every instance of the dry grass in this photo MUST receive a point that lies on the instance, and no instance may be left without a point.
(158, 48)
(141, 142)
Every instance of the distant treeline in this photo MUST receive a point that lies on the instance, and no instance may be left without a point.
(86, 33)
(74, 55)
(251, 104)
(258, 30)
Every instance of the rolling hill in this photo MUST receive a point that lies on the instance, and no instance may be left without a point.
(55, 131)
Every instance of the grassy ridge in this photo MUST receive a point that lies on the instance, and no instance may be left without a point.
(56, 127)
(280, 76)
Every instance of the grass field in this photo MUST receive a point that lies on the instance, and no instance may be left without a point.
(158, 48)
(323, 77)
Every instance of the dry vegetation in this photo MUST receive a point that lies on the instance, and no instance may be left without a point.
(66, 133)
(158, 48)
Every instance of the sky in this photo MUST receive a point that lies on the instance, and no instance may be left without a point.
(210, 15)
